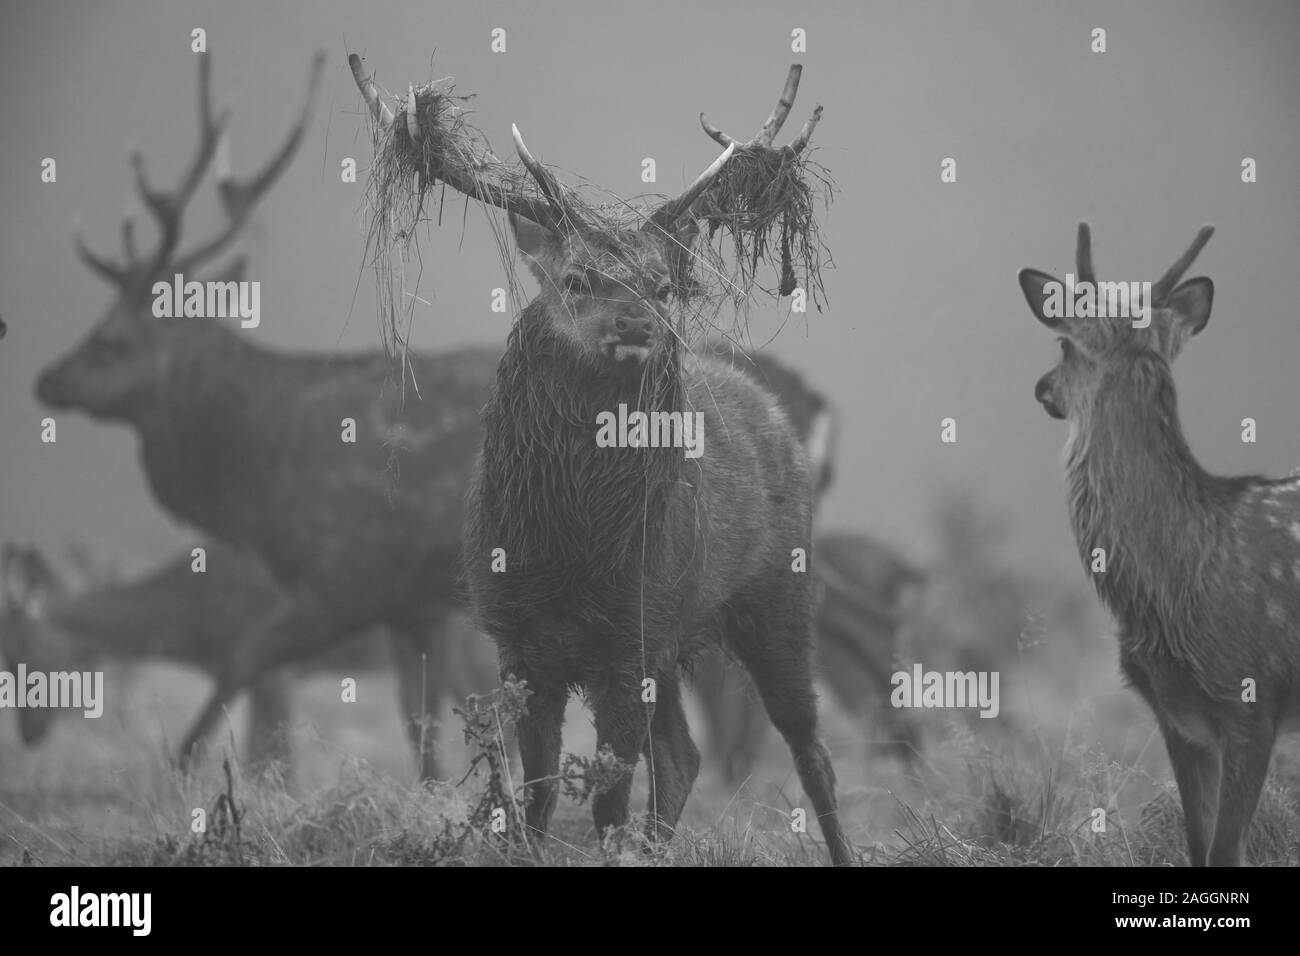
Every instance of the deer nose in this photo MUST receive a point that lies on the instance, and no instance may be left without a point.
(1043, 392)
(47, 387)
(635, 330)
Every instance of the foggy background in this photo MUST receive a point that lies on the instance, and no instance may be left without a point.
(925, 318)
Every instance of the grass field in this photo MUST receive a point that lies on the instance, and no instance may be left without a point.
(1070, 750)
(1017, 790)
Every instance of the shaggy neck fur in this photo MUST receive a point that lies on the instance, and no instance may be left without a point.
(565, 510)
(1136, 491)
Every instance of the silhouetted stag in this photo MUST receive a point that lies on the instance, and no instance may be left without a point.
(247, 444)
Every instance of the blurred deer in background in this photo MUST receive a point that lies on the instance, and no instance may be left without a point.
(1202, 572)
(867, 597)
(179, 616)
(870, 599)
(623, 563)
(246, 443)
(867, 594)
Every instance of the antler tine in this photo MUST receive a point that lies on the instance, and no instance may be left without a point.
(799, 142)
(105, 269)
(1083, 254)
(238, 197)
(666, 214)
(717, 135)
(366, 83)
(562, 216)
(412, 121)
(782, 108)
(553, 214)
(166, 208)
(767, 132)
(1166, 284)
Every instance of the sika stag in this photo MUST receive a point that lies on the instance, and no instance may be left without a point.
(247, 444)
(608, 569)
(1202, 572)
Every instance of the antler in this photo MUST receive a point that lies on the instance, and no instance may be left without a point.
(238, 198)
(383, 115)
(474, 176)
(767, 133)
(673, 209)
(480, 177)
(1161, 289)
(566, 217)
(560, 212)
(1083, 254)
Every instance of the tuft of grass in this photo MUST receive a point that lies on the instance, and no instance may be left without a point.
(764, 202)
(1069, 806)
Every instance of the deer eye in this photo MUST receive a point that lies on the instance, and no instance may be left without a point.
(577, 284)
(663, 292)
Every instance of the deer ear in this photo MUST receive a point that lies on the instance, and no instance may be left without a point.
(1036, 285)
(686, 231)
(541, 248)
(1189, 305)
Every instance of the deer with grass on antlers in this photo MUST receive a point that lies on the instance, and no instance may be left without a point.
(246, 444)
(622, 564)
(1202, 572)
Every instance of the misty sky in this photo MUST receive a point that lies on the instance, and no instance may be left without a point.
(925, 320)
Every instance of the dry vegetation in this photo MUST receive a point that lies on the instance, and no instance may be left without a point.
(760, 216)
(1018, 790)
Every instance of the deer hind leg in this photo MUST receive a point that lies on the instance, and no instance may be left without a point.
(292, 630)
(775, 647)
(1197, 769)
(751, 726)
(420, 655)
(270, 715)
(1245, 765)
(672, 759)
(735, 719)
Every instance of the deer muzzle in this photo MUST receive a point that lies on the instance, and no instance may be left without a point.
(51, 389)
(632, 338)
(1043, 392)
